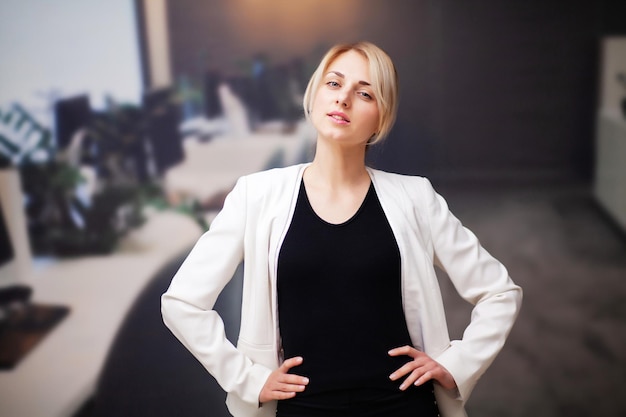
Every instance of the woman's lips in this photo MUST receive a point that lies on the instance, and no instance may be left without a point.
(339, 117)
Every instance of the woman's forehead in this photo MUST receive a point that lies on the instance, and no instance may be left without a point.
(350, 64)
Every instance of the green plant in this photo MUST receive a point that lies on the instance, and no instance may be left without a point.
(62, 221)
(59, 222)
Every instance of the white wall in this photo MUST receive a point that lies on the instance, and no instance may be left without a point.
(612, 62)
(65, 47)
(610, 170)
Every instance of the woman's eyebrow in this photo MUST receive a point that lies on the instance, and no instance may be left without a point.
(340, 75)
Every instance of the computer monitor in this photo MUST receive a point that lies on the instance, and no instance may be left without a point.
(6, 247)
(163, 120)
(212, 104)
(71, 114)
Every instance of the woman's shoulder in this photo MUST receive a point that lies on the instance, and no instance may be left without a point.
(407, 190)
(287, 173)
(275, 182)
(398, 178)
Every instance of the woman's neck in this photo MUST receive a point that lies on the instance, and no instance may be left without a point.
(337, 168)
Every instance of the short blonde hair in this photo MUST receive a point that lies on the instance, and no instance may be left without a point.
(384, 79)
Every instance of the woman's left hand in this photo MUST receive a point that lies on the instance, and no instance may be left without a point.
(421, 369)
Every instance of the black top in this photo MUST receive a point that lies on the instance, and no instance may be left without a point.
(339, 299)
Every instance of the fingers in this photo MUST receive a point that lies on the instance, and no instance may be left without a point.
(289, 382)
(416, 377)
(290, 363)
(405, 351)
(419, 359)
(404, 370)
(284, 390)
(278, 390)
(292, 379)
(419, 370)
(417, 374)
(282, 385)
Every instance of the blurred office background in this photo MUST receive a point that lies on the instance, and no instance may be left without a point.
(123, 124)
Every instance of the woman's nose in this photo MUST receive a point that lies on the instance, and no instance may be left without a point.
(343, 99)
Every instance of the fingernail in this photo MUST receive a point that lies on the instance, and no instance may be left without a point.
(306, 380)
(392, 376)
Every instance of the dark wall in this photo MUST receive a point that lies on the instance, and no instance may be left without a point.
(490, 90)
(517, 89)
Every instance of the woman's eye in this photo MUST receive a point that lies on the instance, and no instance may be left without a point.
(332, 84)
(365, 95)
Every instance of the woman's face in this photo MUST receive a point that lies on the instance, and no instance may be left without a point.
(344, 106)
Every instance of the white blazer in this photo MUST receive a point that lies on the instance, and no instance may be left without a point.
(252, 226)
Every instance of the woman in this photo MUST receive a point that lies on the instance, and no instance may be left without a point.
(341, 311)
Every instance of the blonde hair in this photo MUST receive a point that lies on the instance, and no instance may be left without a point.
(384, 79)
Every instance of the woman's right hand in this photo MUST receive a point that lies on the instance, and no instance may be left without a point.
(282, 385)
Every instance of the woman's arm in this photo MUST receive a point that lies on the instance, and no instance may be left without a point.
(481, 280)
(187, 305)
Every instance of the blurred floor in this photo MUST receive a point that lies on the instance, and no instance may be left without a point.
(565, 356)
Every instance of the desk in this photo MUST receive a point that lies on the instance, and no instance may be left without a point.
(213, 167)
(60, 374)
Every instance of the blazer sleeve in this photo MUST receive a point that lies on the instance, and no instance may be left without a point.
(187, 305)
(481, 280)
